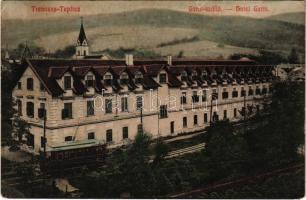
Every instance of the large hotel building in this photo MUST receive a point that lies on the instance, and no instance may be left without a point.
(92, 99)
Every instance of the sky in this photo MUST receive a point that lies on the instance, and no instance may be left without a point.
(24, 9)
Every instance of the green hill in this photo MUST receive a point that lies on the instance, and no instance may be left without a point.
(226, 30)
(296, 17)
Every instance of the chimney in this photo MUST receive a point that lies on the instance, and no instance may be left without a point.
(129, 59)
(169, 60)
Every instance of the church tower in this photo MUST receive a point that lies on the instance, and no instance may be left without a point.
(82, 48)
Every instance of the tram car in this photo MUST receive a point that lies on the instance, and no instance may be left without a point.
(71, 155)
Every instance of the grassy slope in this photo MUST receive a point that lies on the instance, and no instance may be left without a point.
(230, 30)
(296, 18)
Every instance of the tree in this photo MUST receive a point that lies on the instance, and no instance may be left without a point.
(67, 52)
(293, 56)
(160, 151)
(180, 54)
(276, 142)
(226, 151)
(20, 128)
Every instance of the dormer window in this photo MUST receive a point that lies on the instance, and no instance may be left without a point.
(108, 79)
(138, 78)
(204, 74)
(67, 82)
(184, 76)
(124, 78)
(194, 75)
(89, 81)
(162, 78)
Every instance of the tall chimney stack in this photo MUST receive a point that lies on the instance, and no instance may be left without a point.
(129, 60)
(169, 60)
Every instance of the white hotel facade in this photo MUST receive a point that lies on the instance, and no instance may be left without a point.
(106, 100)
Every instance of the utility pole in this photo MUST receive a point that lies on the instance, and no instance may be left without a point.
(245, 112)
(45, 120)
(141, 120)
(43, 114)
(211, 107)
(214, 95)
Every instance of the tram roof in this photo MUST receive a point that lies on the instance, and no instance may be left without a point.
(75, 145)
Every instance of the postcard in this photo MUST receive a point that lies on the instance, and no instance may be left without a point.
(153, 99)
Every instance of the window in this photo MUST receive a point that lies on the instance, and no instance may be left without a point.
(19, 107)
(42, 87)
(162, 78)
(125, 132)
(194, 75)
(184, 98)
(84, 52)
(195, 119)
(90, 108)
(139, 102)
(109, 135)
(264, 90)
(184, 76)
(30, 84)
(78, 52)
(235, 112)
(42, 110)
(68, 138)
(184, 122)
(215, 117)
(195, 97)
(91, 135)
(224, 114)
(19, 85)
(43, 141)
(30, 109)
(89, 81)
(234, 93)
(251, 92)
(224, 94)
(205, 118)
(243, 93)
(124, 104)
(67, 82)
(139, 128)
(163, 111)
(67, 111)
(204, 96)
(172, 126)
(108, 79)
(138, 78)
(214, 94)
(108, 106)
(124, 78)
(257, 91)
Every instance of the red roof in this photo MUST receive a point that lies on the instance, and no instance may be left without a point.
(48, 70)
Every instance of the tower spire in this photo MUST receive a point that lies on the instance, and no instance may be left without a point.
(82, 48)
(82, 35)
